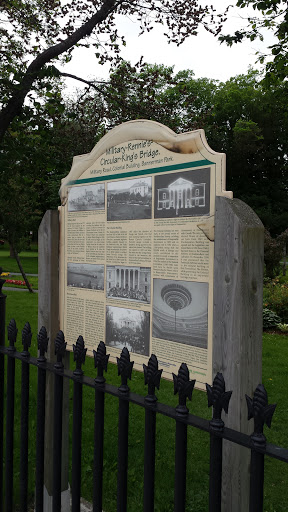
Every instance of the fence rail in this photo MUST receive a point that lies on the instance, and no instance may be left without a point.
(218, 399)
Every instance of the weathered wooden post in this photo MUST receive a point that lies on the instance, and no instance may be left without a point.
(237, 331)
(48, 316)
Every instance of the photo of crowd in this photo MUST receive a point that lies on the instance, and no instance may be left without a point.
(124, 293)
(128, 328)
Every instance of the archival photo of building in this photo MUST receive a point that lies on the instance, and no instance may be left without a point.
(129, 199)
(128, 328)
(180, 312)
(182, 194)
(128, 283)
(84, 275)
(86, 198)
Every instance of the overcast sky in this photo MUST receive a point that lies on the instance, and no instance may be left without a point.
(203, 53)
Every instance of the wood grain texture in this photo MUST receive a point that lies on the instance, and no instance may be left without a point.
(48, 315)
(237, 331)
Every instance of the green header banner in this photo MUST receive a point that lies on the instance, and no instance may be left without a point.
(166, 168)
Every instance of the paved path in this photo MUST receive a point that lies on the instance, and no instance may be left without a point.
(19, 274)
(7, 288)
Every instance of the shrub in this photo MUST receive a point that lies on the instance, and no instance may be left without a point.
(275, 297)
(282, 327)
(270, 319)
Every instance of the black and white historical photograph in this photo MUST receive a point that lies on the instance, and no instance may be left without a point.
(84, 275)
(182, 194)
(180, 312)
(129, 199)
(86, 198)
(128, 283)
(128, 328)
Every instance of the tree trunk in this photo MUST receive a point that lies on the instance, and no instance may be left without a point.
(16, 255)
(12, 253)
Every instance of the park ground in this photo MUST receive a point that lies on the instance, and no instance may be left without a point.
(23, 307)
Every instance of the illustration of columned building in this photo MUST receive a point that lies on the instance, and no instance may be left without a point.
(129, 278)
(181, 193)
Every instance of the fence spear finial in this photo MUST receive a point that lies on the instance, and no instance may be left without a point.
(26, 339)
(124, 369)
(152, 377)
(219, 399)
(100, 362)
(42, 340)
(184, 387)
(262, 413)
(79, 351)
(12, 335)
(60, 348)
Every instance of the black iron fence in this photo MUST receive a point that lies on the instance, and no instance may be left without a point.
(218, 399)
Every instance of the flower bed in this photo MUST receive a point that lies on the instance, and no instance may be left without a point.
(16, 282)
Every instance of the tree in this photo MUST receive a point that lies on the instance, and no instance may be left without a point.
(250, 124)
(272, 15)
(273, 252)
(241, 117)
(38, 33)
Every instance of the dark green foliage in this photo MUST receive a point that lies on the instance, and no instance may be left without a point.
(268, 15)
(273, 252)
(275, 298)
(270, 319)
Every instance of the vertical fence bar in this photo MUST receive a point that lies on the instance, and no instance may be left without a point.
(122, 455)
(125, 370)
(58, 402)
(256, 482)
(79, 357)
(25, 370)
(152, 377)
(40, 434)
(100, 362)
(2, 343)
(180, 466)
(57, 444)
(39, 480)
(76, 446)
(98, 450)
(262, 413)
(215, 474)
(60, 347)
(184, 387)
(12, 335)
(219, 399)
(9, 434)
(149, 460)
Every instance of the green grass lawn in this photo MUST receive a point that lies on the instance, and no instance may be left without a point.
(29, 260)
(275, 374)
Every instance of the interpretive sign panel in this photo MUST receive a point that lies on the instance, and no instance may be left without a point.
(137, 246)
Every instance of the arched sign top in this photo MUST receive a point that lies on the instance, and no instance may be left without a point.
(183, 144)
